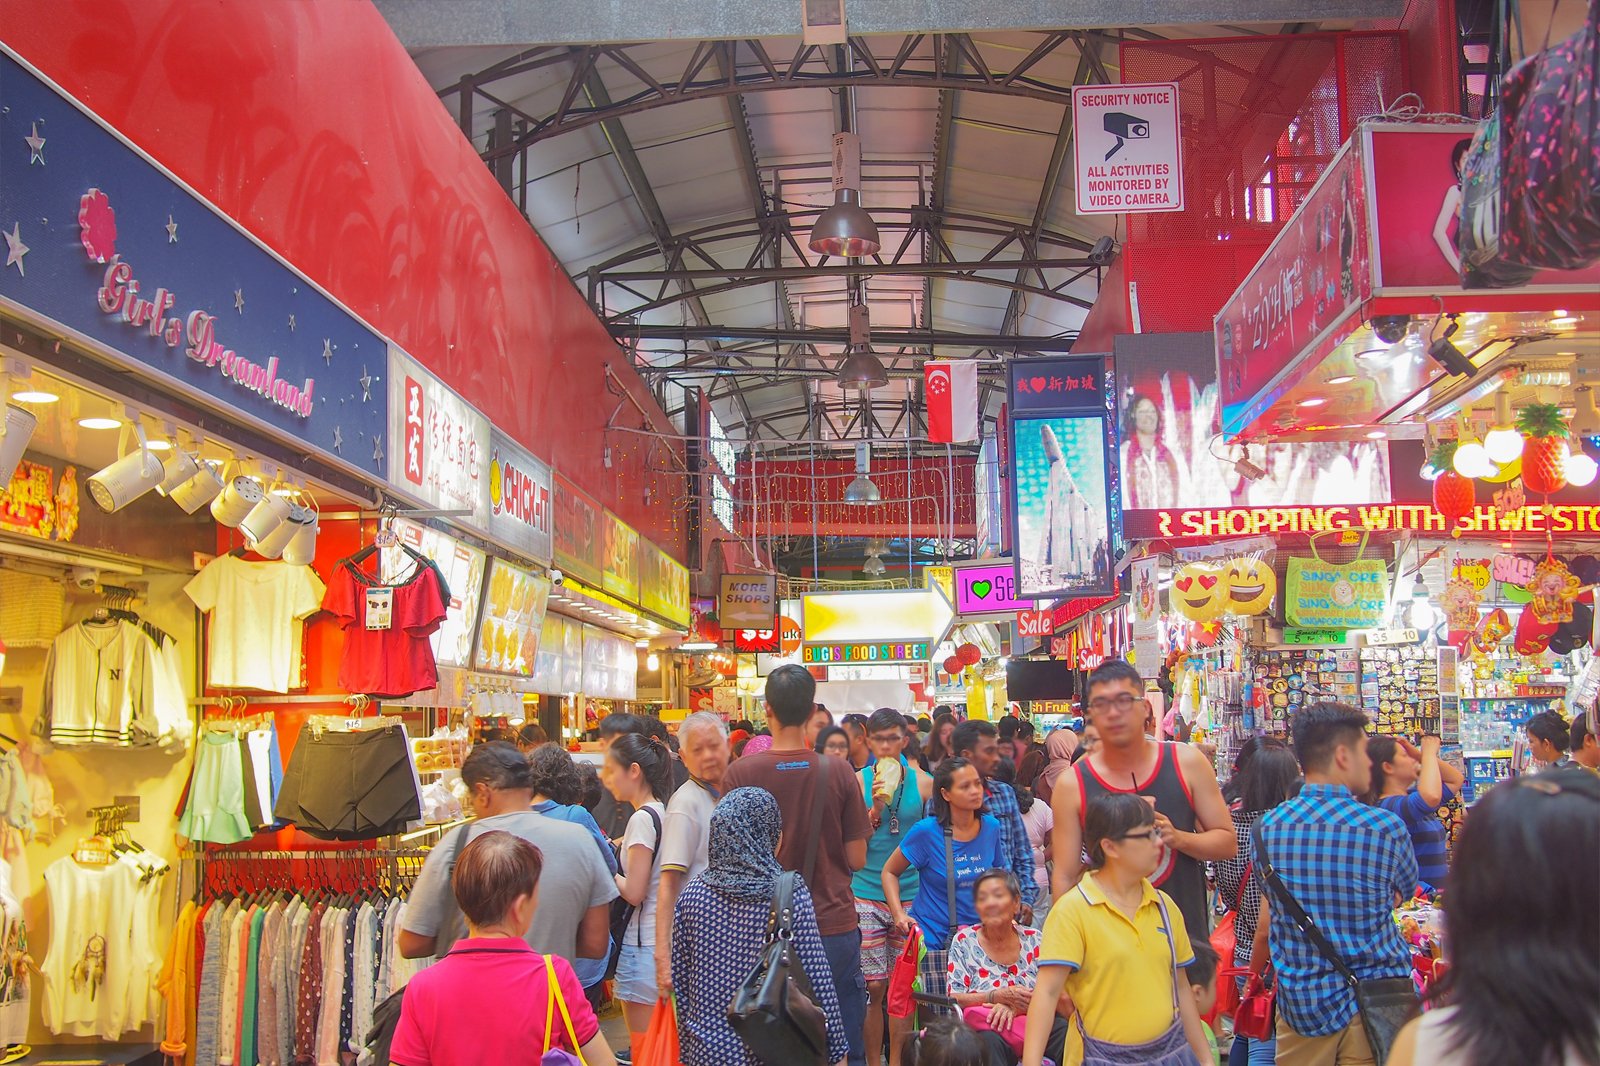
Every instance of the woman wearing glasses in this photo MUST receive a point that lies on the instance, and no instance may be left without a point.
(1116, 944)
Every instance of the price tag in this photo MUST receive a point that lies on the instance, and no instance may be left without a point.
(380, 608)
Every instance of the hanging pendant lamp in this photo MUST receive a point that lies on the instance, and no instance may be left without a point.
(845, 229)
(861, 368)
(862, 490)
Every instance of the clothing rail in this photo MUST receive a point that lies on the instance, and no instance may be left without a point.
(271, 699)
(310, 854)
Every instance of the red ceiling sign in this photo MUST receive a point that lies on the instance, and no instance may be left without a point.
(756, 640)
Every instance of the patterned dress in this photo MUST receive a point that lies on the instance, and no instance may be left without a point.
(970, 969)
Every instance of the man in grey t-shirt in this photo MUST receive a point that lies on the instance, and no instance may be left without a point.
(575, 888)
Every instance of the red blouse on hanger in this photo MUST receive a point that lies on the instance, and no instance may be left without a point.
(394, 660)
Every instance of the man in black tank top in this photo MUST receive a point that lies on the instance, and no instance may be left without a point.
(1190, 811)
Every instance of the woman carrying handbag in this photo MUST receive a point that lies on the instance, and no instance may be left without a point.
(1115, 944)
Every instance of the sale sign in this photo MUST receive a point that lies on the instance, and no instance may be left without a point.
(1035, 624)
(989, 588)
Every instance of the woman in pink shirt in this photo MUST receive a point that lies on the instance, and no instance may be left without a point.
(492, 999)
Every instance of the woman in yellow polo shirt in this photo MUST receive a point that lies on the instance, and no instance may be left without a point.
(1115, 944)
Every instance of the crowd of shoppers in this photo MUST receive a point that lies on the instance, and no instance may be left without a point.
(1109, 965)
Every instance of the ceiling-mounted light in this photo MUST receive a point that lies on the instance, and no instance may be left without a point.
(1472, 459)
(99, 422)
(16, 429)
(128, 478)
(845, 229)
(1585, 417)
(862, 490)
(874, 567)
(1503, 442)
(1444, 352)
(652, 662)
(861, 368)
(1580, 468)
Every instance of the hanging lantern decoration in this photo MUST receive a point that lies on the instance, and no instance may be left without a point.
(1553, 589)
(953, 666)
(1544, 455)
(1455, 497)
(969, 653)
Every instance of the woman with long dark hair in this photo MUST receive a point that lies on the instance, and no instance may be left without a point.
(1267, 777)
(1524, 973)
(938, 746)
(958, 828)
(638, 771)
(1413, 784)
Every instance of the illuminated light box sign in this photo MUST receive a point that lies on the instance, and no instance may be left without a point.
(1376, 518)
(989, 589)
(902, 652)
(867, 617)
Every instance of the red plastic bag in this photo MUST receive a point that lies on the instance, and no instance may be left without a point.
(901, 998)
(660, 1044)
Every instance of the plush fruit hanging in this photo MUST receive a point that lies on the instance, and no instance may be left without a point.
(1454, 496)
(1544, 450)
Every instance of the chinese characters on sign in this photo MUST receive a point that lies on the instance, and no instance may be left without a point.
(34, 505)
(444, 442)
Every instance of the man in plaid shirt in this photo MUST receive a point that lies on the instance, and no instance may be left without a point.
(979, 743)
(1347, 864)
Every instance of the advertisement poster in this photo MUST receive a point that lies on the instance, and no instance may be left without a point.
(578, 543)
(462, 568)
(520, 506)
(513, 620)
(438, 443)
(665, 585)
(1172, 456)
(1145, 602)
(1416, 200)
(1064, 534)
(1314, 272)
(988, 588)
(621, 559)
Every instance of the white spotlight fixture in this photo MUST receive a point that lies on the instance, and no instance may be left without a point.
(1581, 468)
(129, 477)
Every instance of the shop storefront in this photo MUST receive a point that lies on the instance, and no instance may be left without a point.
(245, 538)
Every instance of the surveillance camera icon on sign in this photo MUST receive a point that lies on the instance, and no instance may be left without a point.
(1125, 128)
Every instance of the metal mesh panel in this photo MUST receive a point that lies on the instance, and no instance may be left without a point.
(1261, 116)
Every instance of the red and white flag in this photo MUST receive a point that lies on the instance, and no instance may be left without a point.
(952, 390)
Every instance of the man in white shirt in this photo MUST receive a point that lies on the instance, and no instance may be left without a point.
(703, 746)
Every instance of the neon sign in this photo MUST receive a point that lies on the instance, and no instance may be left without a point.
(1420, 518)
(904, 652)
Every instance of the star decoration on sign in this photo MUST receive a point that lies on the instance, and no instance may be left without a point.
(366, 385)
(291, 323)
(338, 438)
(327, 351)
(172, 231)
(377, 448)
(35, 146)
(238, 300)
(15, 249)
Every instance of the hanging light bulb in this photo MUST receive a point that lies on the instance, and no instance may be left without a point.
(1503, 443)
(1581, 468)
(1472, 460)
(652, 662)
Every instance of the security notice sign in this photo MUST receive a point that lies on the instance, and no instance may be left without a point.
(1126, 149)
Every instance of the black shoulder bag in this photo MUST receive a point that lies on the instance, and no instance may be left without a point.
(1384, 1003)
(774, 1011)
(621, 909)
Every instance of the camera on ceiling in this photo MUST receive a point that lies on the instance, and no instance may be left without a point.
(557, 577)
(1391, 329)
(86, 578)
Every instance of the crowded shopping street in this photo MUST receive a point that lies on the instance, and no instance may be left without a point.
(800, 533)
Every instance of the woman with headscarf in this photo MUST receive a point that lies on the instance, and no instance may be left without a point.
(1058, 749)
(720, 929)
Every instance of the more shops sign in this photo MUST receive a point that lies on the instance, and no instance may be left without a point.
(1209, 522)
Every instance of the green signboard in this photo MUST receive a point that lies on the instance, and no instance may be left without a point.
(1314, 636)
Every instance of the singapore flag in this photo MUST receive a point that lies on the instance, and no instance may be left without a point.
(952, 389)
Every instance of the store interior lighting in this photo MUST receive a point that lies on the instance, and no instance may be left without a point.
(16, 429)
(1503, 442)
(128, 478)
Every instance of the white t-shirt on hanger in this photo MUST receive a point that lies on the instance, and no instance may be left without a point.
(257, 611)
